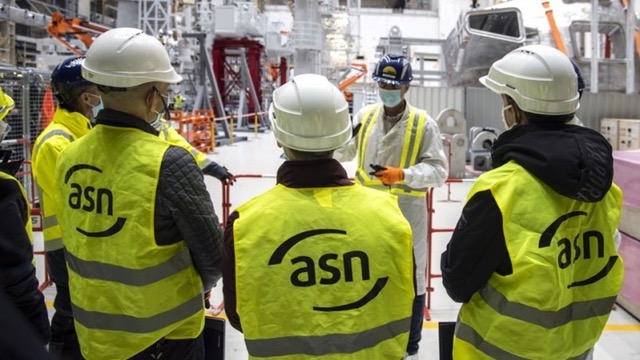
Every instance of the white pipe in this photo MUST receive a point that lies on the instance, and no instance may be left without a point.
(595, 46)
(631, 54)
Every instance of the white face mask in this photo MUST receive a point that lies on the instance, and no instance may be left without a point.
(157, 122)
(95, 109)
(390, 98)
(504, 119)
(164, 108)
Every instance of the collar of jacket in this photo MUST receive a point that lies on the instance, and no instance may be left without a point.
(312, 173)
(120, 119)
(74, 121)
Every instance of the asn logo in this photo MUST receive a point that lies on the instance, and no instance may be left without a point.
(91, 199)
(328, 271)
(586, 246)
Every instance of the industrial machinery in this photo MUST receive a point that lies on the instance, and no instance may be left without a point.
(453, 127)
(483, 36)
(60, 28)
(482, 140)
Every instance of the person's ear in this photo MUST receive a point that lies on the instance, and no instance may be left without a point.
(150, 99)
(405, 89)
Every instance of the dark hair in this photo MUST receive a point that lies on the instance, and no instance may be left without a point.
(68, 98)
(548, 119)
(306, 155)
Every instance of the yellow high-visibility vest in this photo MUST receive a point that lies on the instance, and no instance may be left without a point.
(566, 273)
(410, 150)
(126, 291)
(324, 273)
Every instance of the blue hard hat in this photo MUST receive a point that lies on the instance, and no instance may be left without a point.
(581, 83)
(67, 75)
(393, 69)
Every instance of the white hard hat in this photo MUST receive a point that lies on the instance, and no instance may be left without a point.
(127, 57)
(310, 114)
(540, 79)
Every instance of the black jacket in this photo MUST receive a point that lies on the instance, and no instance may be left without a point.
(574, 161)
(183, 208)
(17, 273)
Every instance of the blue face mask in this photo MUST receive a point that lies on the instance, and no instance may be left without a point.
(390, 98)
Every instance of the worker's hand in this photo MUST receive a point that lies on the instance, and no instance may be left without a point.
(221, 173)
(207, 303)
(387, 174)
(227, 178)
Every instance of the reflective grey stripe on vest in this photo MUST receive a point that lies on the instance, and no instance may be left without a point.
(548, 319)
(50, 221)
(327, 344)
(468, 334)
(52, 133)
(53, 244)
(47, 221)
(133, 277)
(119, 322)
(202, 164)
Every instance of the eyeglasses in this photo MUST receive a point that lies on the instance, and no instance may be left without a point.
(165, 98)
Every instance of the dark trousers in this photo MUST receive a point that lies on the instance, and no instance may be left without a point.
(64, 341)
(190, 349)
(417, 317)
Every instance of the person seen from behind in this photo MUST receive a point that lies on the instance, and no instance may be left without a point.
(143, 243)
(311, 269)
(533, 257)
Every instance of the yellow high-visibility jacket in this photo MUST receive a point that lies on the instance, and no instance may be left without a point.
(64, 128)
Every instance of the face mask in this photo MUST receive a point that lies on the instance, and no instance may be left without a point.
(157, 122)
(96, 109)
(157, 119)
(4, 129)
(390, 98)
(504, 119)
(164, 108)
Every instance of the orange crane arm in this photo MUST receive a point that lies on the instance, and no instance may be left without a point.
(60, 27)
(554, 27)
(362, 68)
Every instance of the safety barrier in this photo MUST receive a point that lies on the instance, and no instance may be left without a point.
(200, 127)
(430, 231)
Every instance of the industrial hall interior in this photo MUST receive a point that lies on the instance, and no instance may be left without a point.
(319, 179)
